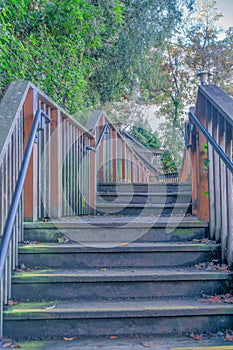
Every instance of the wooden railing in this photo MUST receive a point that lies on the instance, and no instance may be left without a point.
(209, 143)
(115, 160)
(64, 162)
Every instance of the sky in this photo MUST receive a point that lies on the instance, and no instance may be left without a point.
(226, 8)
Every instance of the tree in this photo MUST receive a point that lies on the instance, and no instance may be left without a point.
(81, 52)
(147, 137)
(53, 44)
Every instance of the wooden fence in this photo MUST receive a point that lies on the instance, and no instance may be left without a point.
(209, 161)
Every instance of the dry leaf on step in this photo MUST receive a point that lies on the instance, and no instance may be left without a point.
(148, 344)
(70, 339)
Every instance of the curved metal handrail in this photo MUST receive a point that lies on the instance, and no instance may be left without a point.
(40, 117)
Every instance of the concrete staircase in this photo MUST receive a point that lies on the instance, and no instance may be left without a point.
(119, 275)
(144, 199)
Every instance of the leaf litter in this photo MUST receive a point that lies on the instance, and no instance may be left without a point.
(222, 298)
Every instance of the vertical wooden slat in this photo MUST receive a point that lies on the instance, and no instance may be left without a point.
(114, 155)
(68, 155)
(203, 200)
(92, 178)
(193, 156)
(48, 162)
(56, 164)
(216, 170)
(77, 172)
(80, 178)
(223, 189)
(123, 161)
(64, 192)
(73, 170)
(211, 178)
(229, 145)
(31, 195)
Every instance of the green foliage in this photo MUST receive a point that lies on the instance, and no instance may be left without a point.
(82, 52)
(53, 44)
(168, 163)
(147, 138)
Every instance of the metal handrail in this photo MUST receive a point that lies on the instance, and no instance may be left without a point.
(40, 117)
(89, 148)
(213, 143)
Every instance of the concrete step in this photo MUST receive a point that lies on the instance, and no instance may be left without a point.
(140, 254)
(94, 284)
(104, 229)
(212, 342)
(144, 187)
(143, 198)
(119, 318)
(143, 209)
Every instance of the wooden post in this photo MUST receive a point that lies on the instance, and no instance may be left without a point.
(30, 186)
(92, 178)
(131, 167)
(101, 151)
(203, 188)
(123, 161)
(56, 164)
(138, 170)
(114, 155)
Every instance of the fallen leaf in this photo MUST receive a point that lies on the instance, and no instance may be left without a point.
(148, 344)
(15, 346)
(113, 337)
(63, 239)
(224, 268)
(50, 307)
(124, 244)
(195, 336)
(229, 337)
(70, 339)
(211, 299)
(228, 300)
(7, 345)
(38, 243)
(11, 302)
(215, 299)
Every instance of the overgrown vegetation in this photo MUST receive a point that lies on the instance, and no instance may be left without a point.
(120, 54)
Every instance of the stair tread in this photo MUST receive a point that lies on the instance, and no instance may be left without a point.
(123, 343)
(142, 205)
(111, 309)
(143, 194)
(120, 247)
(145, 183)
(119, 274)
(133, 221)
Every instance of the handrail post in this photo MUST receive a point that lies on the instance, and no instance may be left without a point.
(31, 195)
(56, 163)
(203, 200)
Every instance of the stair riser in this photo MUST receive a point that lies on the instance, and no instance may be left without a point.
(105, 260)
(130, 210)
(33, 291)
(150, 199)
(122, 233)
(133, 326)
(145, 188)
